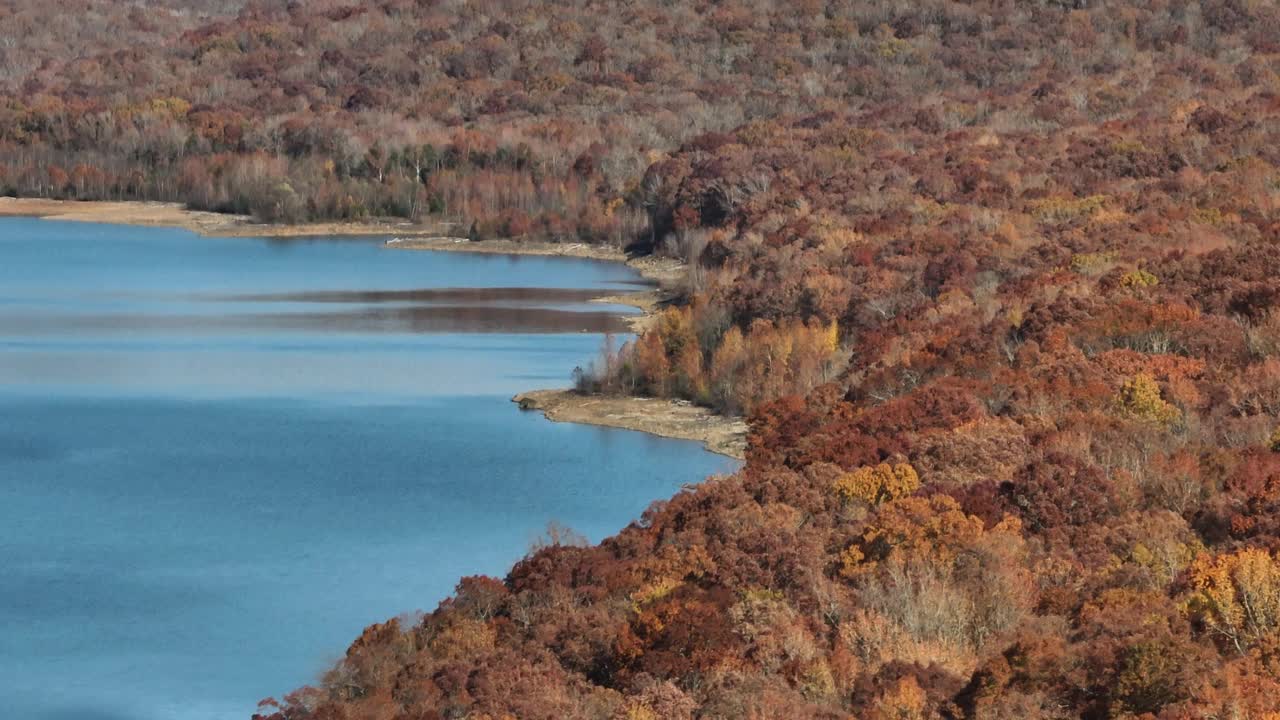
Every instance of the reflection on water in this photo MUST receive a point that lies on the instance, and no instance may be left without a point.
(408, 319)
(470, 296)
(96, 305)
(221, 459)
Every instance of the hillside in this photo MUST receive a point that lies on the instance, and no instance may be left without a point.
(994, 282)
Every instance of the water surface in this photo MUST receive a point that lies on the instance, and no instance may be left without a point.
(221, 458)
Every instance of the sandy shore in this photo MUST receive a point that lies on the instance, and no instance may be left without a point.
(447, 243)
(205, 223)
(405, 235)
(666, 418)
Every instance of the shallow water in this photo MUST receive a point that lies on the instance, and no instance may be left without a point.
(221, 458)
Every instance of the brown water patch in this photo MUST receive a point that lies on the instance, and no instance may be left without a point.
(450, 319)
(412, 319)
(427, 295)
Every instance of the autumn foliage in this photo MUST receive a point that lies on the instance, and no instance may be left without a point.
(693, 354)
(995, 284)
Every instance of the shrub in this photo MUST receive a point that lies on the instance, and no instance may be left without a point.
(1139, 279)
(1140, 399)
(879, 483)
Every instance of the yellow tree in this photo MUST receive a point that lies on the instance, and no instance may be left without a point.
(874, 484)
(905, 700)
(689, 377)
(1140, 398)
(675, 326)
(652, 364)
(726, 365)
(1237, 596)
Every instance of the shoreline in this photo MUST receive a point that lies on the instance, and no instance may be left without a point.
(664, 418)
(404, 235)
(677, 420)
(201, 222)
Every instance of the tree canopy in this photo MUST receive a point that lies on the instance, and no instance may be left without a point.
(994, 282)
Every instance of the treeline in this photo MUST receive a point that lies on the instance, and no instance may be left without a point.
(292, 109)
(308, 111)
(495, 192)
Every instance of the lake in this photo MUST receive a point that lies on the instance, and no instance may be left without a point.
(221, 458)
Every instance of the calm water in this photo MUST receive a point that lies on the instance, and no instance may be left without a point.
(221, 458)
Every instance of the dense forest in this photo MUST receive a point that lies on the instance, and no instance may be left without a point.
(994, 281)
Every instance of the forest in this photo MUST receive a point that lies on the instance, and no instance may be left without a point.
(994, 282)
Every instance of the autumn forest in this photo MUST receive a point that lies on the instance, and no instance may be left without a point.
(994, 283)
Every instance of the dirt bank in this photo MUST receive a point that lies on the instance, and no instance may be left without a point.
(667, 418)
(205, 223)
(405, 235)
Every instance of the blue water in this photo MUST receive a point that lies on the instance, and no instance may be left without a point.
(205, 495)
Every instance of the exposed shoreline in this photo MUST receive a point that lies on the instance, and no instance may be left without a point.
(664, 418)
(675, 419)
(159, 214)
(403, 235)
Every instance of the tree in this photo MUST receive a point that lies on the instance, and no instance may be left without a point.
(1236, 597)
(874, 485)
(1141, 399)
(595, 52)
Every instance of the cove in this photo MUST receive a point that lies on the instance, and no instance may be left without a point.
(221, 458)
